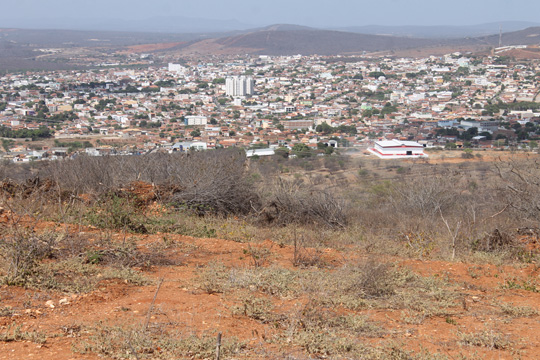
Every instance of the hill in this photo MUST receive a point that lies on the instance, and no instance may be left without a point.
(440, 31)
(276, 41)
(130, 270)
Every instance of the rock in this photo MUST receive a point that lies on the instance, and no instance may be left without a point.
(63, 301)
(50, 304)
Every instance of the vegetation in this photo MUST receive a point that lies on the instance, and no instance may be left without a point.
(312, 256)
(41, 133)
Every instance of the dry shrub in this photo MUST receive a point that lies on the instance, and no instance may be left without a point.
(497, 240)
(215, 182)
(371, 279)
(305, 256)
(115, 342)
(211, 181)
(292, 202)
(325, 333)
(520, 188)
(21, 250)
(426, 197)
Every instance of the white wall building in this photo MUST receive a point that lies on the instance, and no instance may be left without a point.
(239, 86)
(195, 120)
(396, 149)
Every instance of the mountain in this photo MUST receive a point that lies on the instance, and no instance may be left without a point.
(162, 24)
(442, 31)
(306, 41)
(529, 36)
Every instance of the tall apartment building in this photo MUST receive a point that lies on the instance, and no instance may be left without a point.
(239, 86)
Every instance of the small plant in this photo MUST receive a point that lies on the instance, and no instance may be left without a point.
(21, 250)
(303, 256)
(257, 308)
(6, 311)
(258, 254)
(487, 338)
(527, 285)
(115, 212)
(15, 333)
(114, 342)
(214, 278)
(518, 311)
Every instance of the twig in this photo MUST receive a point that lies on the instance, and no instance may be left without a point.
(218, 346)
(500, 212)
(152, 305)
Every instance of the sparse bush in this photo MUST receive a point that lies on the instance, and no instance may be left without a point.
(116, 342)
(488, 338)
(15, 333)
(115, 212)
(21, 250)
(257, 308)
(214, 278)
(292, 202)
(518, 311)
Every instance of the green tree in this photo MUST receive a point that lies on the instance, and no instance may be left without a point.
(301, 150)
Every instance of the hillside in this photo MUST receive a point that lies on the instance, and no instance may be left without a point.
(322, 42)
(120, 269)
(441, 31)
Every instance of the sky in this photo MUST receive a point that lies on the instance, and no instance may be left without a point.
(317, 13)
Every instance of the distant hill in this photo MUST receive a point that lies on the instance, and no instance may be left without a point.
(442, 31)
(276, 41)
(161, 24)
(20, 48)
(69, 38)
(529, 36)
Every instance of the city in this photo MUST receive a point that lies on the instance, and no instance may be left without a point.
(269, 180)
(257, 102)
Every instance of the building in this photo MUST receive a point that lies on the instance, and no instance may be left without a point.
(239, 86)
(396, 149)
(489, 126)
(195, 120)
(189, 145)
(297, 124)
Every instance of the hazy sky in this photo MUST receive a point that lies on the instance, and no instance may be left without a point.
(303, 12)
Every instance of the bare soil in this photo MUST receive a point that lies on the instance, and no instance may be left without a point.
(180, 301)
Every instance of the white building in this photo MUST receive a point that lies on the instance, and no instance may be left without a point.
(195, 120)
(239, 86)
(189, 145)
(396, 149)
(177, 68)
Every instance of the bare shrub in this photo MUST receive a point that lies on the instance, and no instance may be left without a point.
(211, 181)
(520, 188)
(305, 256)
(370, 280)
(214, 182)
(21, 250)
(425, 197)
(292, 202)
(495, 241)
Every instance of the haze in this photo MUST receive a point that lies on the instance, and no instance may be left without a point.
(245, 13)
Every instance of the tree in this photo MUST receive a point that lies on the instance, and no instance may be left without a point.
(301, 150)
(196, 133)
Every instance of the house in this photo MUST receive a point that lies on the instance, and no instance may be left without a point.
(260, 152)
(396, 149)
(189, 145)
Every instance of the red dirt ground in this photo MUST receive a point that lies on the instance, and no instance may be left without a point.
(180, 301)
